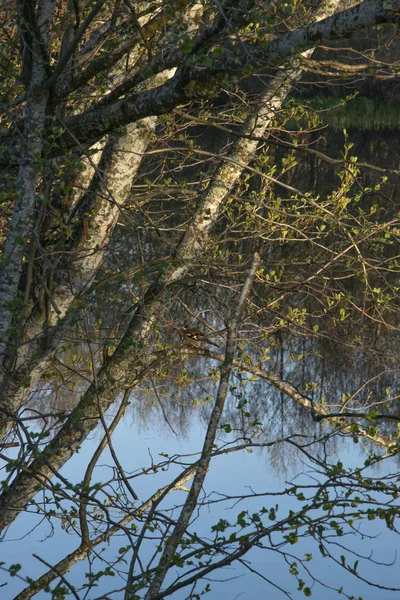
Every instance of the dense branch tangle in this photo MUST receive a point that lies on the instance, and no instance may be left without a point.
(90, 115)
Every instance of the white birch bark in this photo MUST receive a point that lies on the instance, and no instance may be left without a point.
(206, 82)
(29, 161)
(200, 83)
(122, 159)
(81, 553)
(128, 363)
(125, 154)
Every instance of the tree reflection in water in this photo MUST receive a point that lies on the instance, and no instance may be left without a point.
(173, 171)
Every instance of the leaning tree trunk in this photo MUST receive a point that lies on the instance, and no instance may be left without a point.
(105, 199)
(120, 163)
(129, 362)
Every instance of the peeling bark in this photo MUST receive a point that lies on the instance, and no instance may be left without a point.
(110, 193)
(128, 362)
(192, 83)
(29, 164)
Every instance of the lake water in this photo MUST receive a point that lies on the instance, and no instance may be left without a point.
(260, 475)
(238, 481)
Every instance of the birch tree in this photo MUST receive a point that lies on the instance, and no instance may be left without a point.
(96, 85)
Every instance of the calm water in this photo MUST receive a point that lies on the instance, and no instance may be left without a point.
(261, 476)
(233, 474)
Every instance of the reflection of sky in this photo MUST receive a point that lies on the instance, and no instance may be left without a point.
(235, 473)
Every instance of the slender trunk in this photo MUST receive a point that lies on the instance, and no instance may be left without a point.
(123, 157)
(172, 543)
(29, 167)
(128, 362)
(104, 201)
